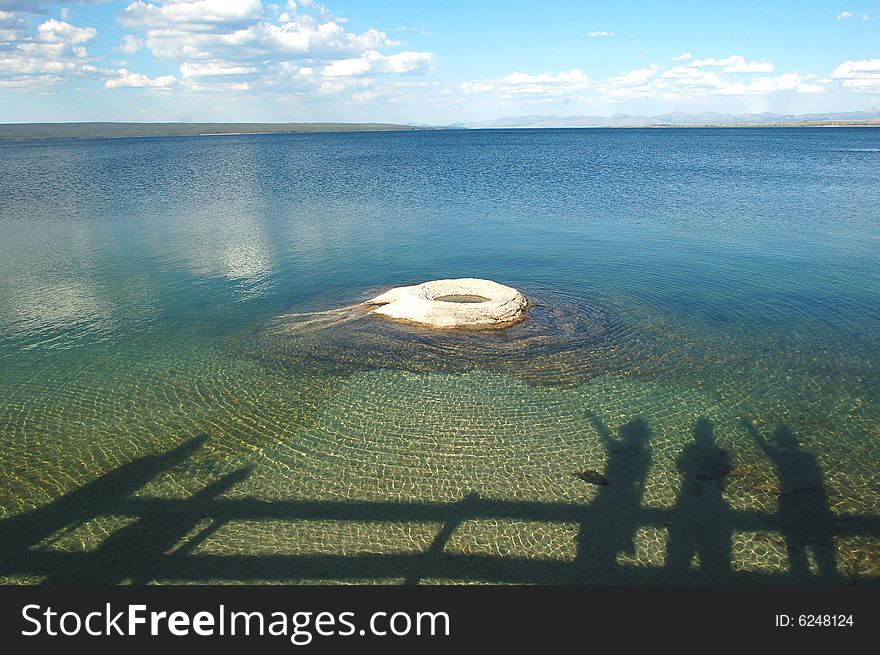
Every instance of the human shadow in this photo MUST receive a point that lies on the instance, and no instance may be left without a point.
(803, 516)
(610, 522)
(178, 537)
(701, 528)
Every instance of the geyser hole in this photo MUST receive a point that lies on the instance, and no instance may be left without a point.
(464, 298)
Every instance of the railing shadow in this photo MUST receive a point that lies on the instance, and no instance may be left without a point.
(161, 540)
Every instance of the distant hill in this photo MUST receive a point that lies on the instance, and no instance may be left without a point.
(680, 119)
(30, 131)
(26, 131)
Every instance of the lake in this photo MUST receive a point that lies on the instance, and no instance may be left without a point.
(182, 401)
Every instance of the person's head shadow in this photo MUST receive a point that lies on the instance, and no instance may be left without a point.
(785, 439)
(632, 437)
(704, 432)
(635, 433)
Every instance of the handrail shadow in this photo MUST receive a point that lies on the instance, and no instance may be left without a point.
(161, 542)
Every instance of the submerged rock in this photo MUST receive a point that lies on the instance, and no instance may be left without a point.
(459, 303)
(594, 477)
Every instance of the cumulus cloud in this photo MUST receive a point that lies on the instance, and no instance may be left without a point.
(762, 85)
(47, 57)
(684, 56)
(703, 78)
(544, 87)
(298, 39)
(734, 64)
(214, 69)
(201, 15)
(127, 80)
(632, 84)
(11, 23)
(295, 48)
(56, 31)
(862, 76)
(372, 62)
(684, 82)
(130, 45)
(848, 15)
(237, 30)
(593, 35)
(729, 76)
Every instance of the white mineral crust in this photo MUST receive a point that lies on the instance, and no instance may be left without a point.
(422, 303)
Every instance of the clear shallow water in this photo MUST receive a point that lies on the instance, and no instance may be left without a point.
(705, 333)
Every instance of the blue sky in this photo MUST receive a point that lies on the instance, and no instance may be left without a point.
(430, 62)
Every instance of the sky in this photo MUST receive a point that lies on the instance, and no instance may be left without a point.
(427, 62)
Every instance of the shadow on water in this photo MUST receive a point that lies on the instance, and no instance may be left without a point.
(610, 521)
(161, 539)
(700, 533)
(804, 516)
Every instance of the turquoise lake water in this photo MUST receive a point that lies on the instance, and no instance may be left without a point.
(704, 332)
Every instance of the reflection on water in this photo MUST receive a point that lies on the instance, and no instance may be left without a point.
(703, 336)
(46, 306)
(230, 245)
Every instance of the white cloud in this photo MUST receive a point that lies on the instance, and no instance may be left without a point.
(49, 56)
(238, 30)
(593, 35)
(862, 76)
(710, 77)
(202, 15)
(633, 84)
(762, 85)
(396, 92)
(287, 49)
(214, 69)
(334, 85)
(130, 45)
(734, 64)
(127, 80)
(634, 77)
(372, 62)
(301, 38)
(11, 22)
(686, 82)
(56, 31)
(682, 57)
(848, 15)
(418, 30)
(687, 77)
(545, 87)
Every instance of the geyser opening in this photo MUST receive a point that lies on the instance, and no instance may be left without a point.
(469, 303)
(463, 298)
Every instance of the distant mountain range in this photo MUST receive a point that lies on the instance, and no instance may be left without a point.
(680, 118)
